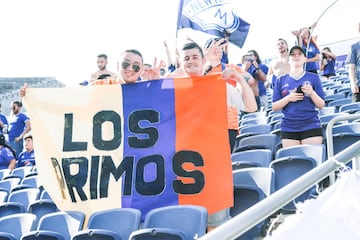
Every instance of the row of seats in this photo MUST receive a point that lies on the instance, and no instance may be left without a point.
(182, 222)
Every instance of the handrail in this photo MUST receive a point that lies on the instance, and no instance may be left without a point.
(260, 211)
(329, 137)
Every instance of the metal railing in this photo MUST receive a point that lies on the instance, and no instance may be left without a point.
(263, 209)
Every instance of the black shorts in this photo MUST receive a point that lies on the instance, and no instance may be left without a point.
(316, 132)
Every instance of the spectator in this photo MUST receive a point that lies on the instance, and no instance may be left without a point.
(171, 65)
(7, 155)
(3, 124)
(328, 60)
(19, 125)
(279, 65)
(310, 47)
(144, 73)
(299, 95)
(354, 69)
(102, 73)
(193, 64)
(27, 157)
(258, 71)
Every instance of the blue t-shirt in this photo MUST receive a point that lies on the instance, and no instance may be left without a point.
(16, 125)
(6, 156)
(26, 159)
(4, 120)
(311, 52)
(329, 68)
(261, 84)
(301, 115)
(354, 58)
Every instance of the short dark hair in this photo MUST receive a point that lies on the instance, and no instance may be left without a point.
(193, 45)
(28, 136)
(18, 103)
(134, 51)
(102, 56)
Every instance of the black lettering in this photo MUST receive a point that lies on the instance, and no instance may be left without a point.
(78, 180)
(150, 188)
(179, 159)
(94, 172)
(134, 127)
(68, 144)
(59, 176)
(108, 167)
(98, 120)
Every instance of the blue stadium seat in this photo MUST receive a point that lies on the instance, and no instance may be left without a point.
(315, 151)
(24, 196)
(251, 158)
(251, 185)
(9, 184)
(116, 223)
(9, 208)
(12, 227)
(350, 107)
(286, 170)
(173, 222)
(42, 207)
(57, 226)
(258, 141)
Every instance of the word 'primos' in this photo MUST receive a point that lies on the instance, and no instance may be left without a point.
(130, 170)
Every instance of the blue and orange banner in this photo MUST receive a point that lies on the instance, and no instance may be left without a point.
(143, 145)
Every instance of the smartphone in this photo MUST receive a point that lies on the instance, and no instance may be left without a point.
(298, 89)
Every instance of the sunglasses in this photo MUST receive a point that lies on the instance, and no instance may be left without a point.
(135, 67)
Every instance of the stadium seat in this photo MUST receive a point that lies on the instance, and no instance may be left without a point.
(4, 173)
(251, 158)
(22, 171)
(9, 208)
(339, 102)
(41, 207)
(108, 224)
(315, 151)
(350, 107)
(12, 227)
(173, 222)
(258, 141)
(9, 184)
(24, 196)
(286, 170)
(251, 185)
(57, 226)
(3, 195)
(327, 110)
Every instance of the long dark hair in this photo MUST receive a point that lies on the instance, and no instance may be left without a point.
(4, 144)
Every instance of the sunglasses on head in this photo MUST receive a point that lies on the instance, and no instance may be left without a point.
(135, 67)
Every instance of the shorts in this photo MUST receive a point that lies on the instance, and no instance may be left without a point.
(316, 132)
(218, 218)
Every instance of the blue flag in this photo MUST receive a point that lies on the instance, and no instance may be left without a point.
(214, 17)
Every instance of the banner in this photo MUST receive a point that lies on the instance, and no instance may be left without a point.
(213, 17)
(142, 145)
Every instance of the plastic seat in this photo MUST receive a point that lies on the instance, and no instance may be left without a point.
(315, 151)
(12, 227)
(42, 207)
(327, 110)
(3, 195)
(251, 158)
(9, 208)
(4, 173)
(24, 196)
(57, 226)
(251, 185)
(286, 170)
(33, 181)
(23, 171)
(9, 184)
(116, 223)
(173, 222)
(259, 141)
(339, 102)
(45, 195)
(350, 107)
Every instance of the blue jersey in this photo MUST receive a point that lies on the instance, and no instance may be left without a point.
(16, 125)
(354, 58)
(301, 115)
(311, 52)
(6, 156)
(26, 159)
(4, 120)
(329, 68)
